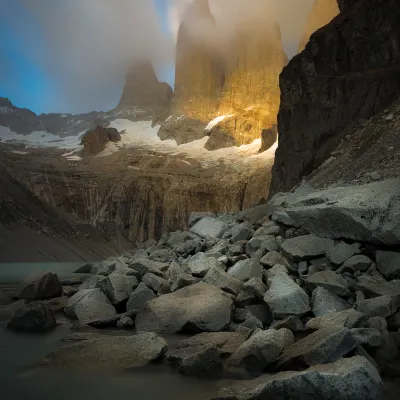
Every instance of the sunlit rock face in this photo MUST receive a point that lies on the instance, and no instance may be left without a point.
(251, 94)
(144, 93)
(322, 12)
(347, 73)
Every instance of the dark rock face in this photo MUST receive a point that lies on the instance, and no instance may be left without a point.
(34, 317)
(348, 71)
(95, 140)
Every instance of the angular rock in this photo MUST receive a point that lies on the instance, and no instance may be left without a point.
(324, 346)
(40, 285)
(8, 311)
(261, 312)
(306, 247)
(209, 227)
(378, 323)
(246, 269)
(139, 297)
(200, 264)
(126, 322)
(91, 282)
(141, 267)
(331, 281)
(163, 256)
(195, 217)
(367, 336)
(182, 281)
(196, 308)
(283, 218)
(241, 232)
(357, 263)
(33, 317)
(324, 302)
(350, 378)
(377, 286)
(276, 269)
(382, 306)
(256, 286)
(245, 298)
(103, 351)
(105, 268)
(117, 287)
(153, 281)
(341, 252)
(285, 297)
(269, 228)
(348, 318)
(272, 258)
(388, 264)
(294, 324)
(219, 278)
(174, 270)
(89, 305)
(261, 349)
(387, 351)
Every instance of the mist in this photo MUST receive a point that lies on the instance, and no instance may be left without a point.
(81, 49)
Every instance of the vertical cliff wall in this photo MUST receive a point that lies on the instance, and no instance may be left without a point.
(322, 12)
(349, 71)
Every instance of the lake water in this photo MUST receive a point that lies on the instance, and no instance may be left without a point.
(19, 352)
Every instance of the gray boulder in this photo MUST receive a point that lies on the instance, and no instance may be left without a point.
(356, 263)
(219, 278)
(324, 346)
(306, 247)
(285, 297)
(294, 324)
(283, 218)
(350, 378)
(103, 351)
(246, 269)
(256, 286)
(377, 286)
(209, 227)
(89, 305)
(261, 349)
(139, 297)
(341, 252)
(196, 361)
(141, 267)
(40, 285)
(388, 264)
(91, 282)
(104, 268)
(241, 232)
(261, 312)
(324, 302)
(195, 217)
(200, 264)
(269, 228)
(33, 317)
(331, 281)
(387, 351)
(196, 308)
(367, 336)
(8, 311)
(348, 318)
(382, 306)
(174, 270)
(153, 281)
(276, 269)
(182, 281)
(163, 255)
(366, 213)
(117, 287)
(272, 258)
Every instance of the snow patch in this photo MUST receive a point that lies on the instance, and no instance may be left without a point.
(216, 121)
(74, 158)
(22, 153)
(168, 118)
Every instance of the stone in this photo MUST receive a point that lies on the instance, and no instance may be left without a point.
(126, 322)
(163, 256)
(153, 281)
(89, 305)
(269, 228)
(33, 317)
(284, 297)
(276, 269)
(382, 306)
(241, 232)
(261, 312)
(182, 281)
(388, 264)
(104, 268)
(91, 282)
(196, 361)
(377, 286)
(71, 281)
(367, 336)
(245, 298)
(8, 311)
(357, 263)
(378, 323)
(251, 323)
(84, 269)
(294, 324)
(139, 297)
(306, 247)
(196, 308)
(103, 351)
(341, 252)
(117, 287)
(283, 218)
(141, 267)
(253, 245)
(209, 227)
(349, 378)
(272, 258)
(195, 217)
(302, 269)
(256, 286)
(226, 342)
(40, 285)
(174, 270)
(324, 302)
(329, 280)
(387, 351)
(261, 349)
(200, 264)
(324, 346)
(348, 318)
(219, 278)
(95, 140)
(244, 270)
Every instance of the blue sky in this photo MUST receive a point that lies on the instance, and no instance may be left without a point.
(24, 81)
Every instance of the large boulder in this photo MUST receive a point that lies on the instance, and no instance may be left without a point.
(285, 297)
(329, 280)
(388, 263)
(323, 302)
(306, 247)
(209, 227)
(95, 140)
(117, 287)
(350, 378)
(382, 306)
(200, 264)
(341, 252)
(121, 352)
(261, 349)
(139, 297)
(34, 317)
(40, 285)
(338, 319)
(89, 305)
(323, 346)
(244, 270)
(377, 286)
(195, 308)
(368, 213)
(218, 277)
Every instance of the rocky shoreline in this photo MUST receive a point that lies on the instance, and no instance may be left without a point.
(259, 293)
